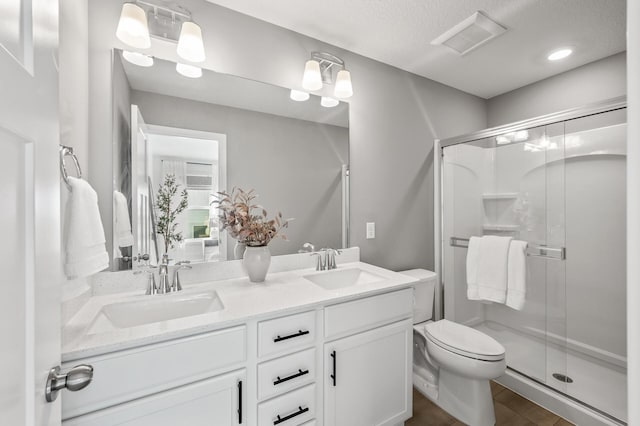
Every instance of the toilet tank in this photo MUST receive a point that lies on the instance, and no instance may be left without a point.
(423, 294)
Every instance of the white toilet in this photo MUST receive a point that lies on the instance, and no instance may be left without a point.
(453, 363)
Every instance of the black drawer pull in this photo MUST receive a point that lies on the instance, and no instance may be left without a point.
(240, 402)
(293, 376)
(334, 375)
(291, 336)
(290, 416)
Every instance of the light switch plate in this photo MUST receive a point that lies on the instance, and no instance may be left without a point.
(371, 230)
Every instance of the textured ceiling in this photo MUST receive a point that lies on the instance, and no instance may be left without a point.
(399, 32)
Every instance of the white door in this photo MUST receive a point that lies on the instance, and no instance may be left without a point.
(140, 212)
(218, 401)
(30, 263)
(368, 377)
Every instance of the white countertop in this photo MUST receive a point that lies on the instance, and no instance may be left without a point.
(280, 294)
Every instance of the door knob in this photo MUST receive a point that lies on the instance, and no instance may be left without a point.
(75, 379)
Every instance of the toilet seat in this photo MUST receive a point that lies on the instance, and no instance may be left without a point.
(464, 341)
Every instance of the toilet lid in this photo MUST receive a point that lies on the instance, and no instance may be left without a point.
(464, 340)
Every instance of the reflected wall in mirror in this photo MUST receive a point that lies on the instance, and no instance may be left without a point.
(215, 133)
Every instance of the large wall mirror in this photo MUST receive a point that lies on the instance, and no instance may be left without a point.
(214, 133)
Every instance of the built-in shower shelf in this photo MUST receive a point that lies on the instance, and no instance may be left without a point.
(501, 228)
(500, 196)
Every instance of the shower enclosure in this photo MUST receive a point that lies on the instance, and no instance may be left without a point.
(559, 183)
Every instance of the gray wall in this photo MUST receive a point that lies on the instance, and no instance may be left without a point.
(294, 165)
(394, 118)
(589, 83)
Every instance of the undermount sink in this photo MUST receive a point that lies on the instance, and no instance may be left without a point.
(158, 308)
(340, 278)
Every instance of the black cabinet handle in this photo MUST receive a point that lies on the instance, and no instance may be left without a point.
(290, 416)
(240, 402)
(293, 376)
(291, 336)
(333, 376)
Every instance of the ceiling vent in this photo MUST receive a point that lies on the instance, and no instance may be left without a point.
(470, 34)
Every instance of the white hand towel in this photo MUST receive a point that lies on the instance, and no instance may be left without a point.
(124, 237)
(517, 274)
(472, 268)
(85, 251)
(492, 268)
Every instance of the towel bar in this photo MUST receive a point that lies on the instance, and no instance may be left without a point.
(68, 151)
(556, 253)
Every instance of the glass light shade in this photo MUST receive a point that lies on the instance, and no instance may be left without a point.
(138, 58)
(132, 27)
(328, 102)
(190, 45)
(189, 70)
(298, 95)
(312, 80)
(343, 88)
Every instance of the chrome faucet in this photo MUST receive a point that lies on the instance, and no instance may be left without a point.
(307, 248)
(326, 259)
(163, 273)
(183, 264)
(330, 258)
(320, 264)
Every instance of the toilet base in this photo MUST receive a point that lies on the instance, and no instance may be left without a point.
(468, 400)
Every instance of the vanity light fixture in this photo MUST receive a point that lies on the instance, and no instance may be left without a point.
(190, 45)
(556, 55)
(189, 70)
(328, 102)
(140, 19)
(319, 71)
(132, 27)
(298, 95)
(139, 59)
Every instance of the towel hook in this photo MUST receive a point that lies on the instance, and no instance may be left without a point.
(68, 151)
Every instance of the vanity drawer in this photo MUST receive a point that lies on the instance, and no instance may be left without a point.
(286, 373)
(129, 374)
(286, 334)
(294, 408)
(364, 314)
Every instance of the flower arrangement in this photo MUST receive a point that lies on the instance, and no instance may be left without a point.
(169, 209)
(238, 216)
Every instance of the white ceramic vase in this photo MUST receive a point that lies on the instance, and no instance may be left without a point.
(238, 250)
(256, 262)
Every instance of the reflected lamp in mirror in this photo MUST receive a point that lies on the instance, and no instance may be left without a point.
(139, 20)
(318, 71)
(138, 59)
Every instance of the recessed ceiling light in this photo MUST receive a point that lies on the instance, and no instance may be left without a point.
(559, 54)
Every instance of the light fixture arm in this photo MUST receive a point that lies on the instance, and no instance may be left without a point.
(327, 61)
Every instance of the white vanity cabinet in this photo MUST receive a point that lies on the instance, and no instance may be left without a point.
(345, 364)
(216, 401)
(368, 374)
(151, 384)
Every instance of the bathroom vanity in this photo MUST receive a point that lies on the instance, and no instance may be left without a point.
(305, 347)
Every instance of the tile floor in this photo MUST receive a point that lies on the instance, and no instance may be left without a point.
(511, 409)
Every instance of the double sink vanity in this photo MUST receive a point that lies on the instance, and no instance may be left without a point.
(304, 347)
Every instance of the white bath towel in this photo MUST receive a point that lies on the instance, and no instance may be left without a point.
(84, 243)
(124, 237)
(517, 274)
(472, 267)
(491, 278)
